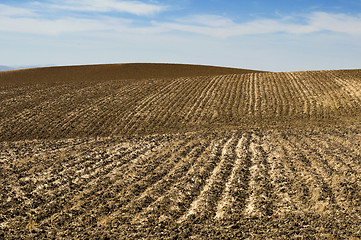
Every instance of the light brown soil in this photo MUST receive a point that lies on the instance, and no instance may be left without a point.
(249, 184)
(252, 155)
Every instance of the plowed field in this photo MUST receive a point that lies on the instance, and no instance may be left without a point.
(62, 109)
(251, 155)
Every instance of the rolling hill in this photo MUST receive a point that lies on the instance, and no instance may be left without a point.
(70, 102)
(106, 72)
(167, 151)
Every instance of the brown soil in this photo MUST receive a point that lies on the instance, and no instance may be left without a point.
(118, 106)
(91, 153)
(128, 71)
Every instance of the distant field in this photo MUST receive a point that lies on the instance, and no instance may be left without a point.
(49, 107)
(99, 73)
(162, 151)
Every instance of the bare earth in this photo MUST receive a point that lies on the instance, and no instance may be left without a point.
(165, 151)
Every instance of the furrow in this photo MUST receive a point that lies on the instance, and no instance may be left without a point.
(202, 112)
(94, 115)
(351, 88)
(310, 92)
(166, 104)
(196, 109)
(162, 107)
(146, 190)
(244, 96)
(192, 107)
(258, 85)
(234, 193)
(32, 109)
(286, 94)
(104, 113)
(204, 206)
(342, 97)
(226, 101)
(109, 188)
(232, 98)
(305, 105)
(210, 112)
(293, 181)
(301, 102)
(343, 179)
(258, 203)
(320, 91)
(104, 177)
(150, 166)
(30, 97)
(151, 209)
(252, 97)
(237, 94)
(90, 180)
(178, 199)
(269, 98)
(44, 112)
(130, 109)
(347, 146)
(144, 109)
(323, 194)
(291, 90)
(280, 110)
(327, 94)
(190, 96)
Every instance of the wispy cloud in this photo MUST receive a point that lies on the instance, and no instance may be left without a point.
(95, 31)
(10, 11)
(51, 27)
(49, 18)
(36, 19)
(74, 25)
(336, 22)
(206, 20)
(133, 7)
(222, 27)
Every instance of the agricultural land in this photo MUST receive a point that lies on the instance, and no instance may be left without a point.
(171, 151)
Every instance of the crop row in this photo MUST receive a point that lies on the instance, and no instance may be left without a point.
(119, 107)
(88, 185)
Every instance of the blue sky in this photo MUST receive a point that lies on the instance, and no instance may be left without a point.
(258, 34)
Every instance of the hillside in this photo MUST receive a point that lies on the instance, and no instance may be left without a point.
(163, 151)
(107, 72)
(59, 105)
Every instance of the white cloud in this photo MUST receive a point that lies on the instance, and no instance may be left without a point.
(133, 7)
(336, 22)
(73, 25)
(222, 27)
(50, 27)
(206, 20)
(46, 19)
(6, 10)
(36, 19)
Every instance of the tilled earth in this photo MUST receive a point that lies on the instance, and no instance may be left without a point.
(279, 184)
(58, 105)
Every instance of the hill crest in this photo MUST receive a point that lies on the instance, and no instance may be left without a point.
(67, 102)
(107, 72)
